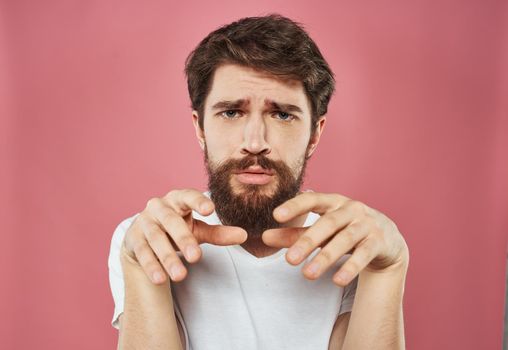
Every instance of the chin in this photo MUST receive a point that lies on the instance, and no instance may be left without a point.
(241, 189)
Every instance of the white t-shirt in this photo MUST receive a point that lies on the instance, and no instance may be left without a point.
(231, 299)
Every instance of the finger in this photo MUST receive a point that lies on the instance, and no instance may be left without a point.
(183, 201)
(341, 243)
(325, 227)
(148, 262)
(166, 254)
(177, 229)
(218, 234)
(320, 203)
(282, 237)
(362, 256)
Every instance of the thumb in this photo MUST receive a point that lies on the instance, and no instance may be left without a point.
(283, 237)
(218, 234)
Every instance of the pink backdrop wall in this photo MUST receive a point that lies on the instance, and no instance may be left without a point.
(96, 120)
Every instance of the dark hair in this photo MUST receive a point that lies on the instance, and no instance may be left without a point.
(271, 43)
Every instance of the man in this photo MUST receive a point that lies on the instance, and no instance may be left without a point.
(221, 269)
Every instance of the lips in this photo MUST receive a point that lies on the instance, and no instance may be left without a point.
(255, 175)
(255, 170)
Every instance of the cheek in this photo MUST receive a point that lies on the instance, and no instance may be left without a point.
(220, 145)
(290, 148)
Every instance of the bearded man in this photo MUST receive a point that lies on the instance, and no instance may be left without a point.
(221, 269)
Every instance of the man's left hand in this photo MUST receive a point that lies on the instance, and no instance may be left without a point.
(345, 226)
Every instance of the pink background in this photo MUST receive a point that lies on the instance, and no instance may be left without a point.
(96, 120)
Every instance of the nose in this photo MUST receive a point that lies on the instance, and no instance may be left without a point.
(254, 136)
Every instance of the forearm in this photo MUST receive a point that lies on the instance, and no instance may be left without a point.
(148, 320)
(377, 319)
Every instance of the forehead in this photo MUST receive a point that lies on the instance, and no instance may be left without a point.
(235, 82)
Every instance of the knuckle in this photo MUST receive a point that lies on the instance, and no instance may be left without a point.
(306, 242)
(151, 267)
(142, 251)
(171, 196)
(141, 219)
(152, 203)
(357, 206)
(334, 219)
(363, 252)
(337, 197)
(188, 192)
(168, 259)
(151, 232)
(325, 256)
(378, 236)
(312, 198)
(305, 196)
(369, 247)
(351, 266)
(348, 235)
(167, 217)
(181, 241)
(188, 240)
(373, 224)
(328, 220)
(138, 247)
(177, 211)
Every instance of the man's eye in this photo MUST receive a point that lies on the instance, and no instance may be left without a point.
(285, 116)
(230, 114)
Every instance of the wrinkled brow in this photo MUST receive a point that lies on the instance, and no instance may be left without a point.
(285, 107)
(241, 103)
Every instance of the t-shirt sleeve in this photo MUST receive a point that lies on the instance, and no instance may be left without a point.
(348, 296)
(116, 282)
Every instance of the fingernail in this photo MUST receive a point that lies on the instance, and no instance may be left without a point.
(283, 211)
(157, 277)
(344, 276)
(191, 252)
(313, 268)
(204, 206)
(175, 271)
(294, 254)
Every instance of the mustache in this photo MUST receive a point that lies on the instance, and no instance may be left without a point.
(251, 160)
(232, 165)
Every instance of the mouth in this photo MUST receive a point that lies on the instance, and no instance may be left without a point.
(254, 175)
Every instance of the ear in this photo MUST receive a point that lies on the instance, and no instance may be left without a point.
(314, 138)
(200, 134)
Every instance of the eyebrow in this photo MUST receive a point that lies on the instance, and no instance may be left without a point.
(286, 107)
(230, 104)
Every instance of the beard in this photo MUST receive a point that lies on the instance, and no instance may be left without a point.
(251, 207)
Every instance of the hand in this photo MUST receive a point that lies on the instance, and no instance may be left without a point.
(167, 226)
(345, 226)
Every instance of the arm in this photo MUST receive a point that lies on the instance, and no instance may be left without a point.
(380, 256)
(148, 320)
(180, 330)
(377, 319)
(147, 256)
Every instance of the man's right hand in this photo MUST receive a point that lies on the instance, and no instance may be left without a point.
(166, 226)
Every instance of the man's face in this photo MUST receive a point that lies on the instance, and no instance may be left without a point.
(256, 139)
